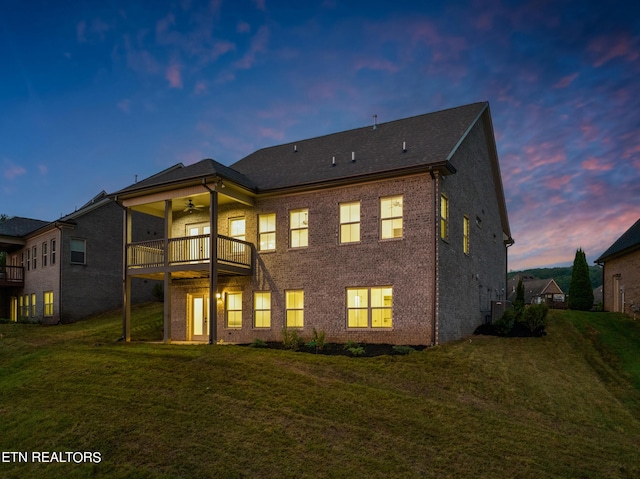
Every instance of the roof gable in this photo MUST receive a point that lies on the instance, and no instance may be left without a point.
(630, 240)
(18, 226)
(423, 140)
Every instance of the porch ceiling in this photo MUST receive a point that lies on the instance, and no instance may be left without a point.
(201, 200)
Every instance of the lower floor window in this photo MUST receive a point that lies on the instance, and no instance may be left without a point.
(234, 310)
(262, 309)
(369, 307)
(33, 305)
(48, 303)
(295, 308)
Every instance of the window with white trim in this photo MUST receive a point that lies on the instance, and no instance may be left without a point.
(262, 309)
(391, 217)
(370, 307)
(299, 228)
(295, 308)
(267, 232)
(350, 222)
(78, 249)
(234, 310)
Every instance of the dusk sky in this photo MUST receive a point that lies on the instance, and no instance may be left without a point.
(94, 93)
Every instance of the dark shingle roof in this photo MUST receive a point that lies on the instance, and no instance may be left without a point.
(429, 139)
(18, 226)
(180, 173)
(629, 240)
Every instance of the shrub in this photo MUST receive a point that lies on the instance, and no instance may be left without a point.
(354, 348)
(258, 343)
(291, 339)
(402, 350)
(504, 325)
(158, 292)
(317, 340)
(534, 317)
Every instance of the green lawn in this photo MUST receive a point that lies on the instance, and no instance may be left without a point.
(565, 406)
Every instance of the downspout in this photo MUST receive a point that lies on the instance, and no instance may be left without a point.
(124, 274)
(436, 234)
(57, 226)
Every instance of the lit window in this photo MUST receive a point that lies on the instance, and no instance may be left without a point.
(267, 231)
(48, 303)
(391, 217)
(299, 228)
(295, 308)
(33, 305)
(262, 309)
(444, 217)
(465, 235)
(369, 307)
(78, 251)
(234, 310)
(350, 222)
(237, 228)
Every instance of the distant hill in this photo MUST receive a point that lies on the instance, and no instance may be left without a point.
(562, 276)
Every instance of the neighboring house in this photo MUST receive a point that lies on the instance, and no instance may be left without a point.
(539, 291)
(392, 233)
(621, 272)
(64, 270)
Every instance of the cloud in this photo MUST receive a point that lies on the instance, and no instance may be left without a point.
(375, 64)
(258, 45)
(43, 169)
(243, 27)
(260, 5)
(564, 82)
(200, 88)
(81, 30)
(13, 171)
(609, 47)
(173, 74)
(124, 105)
(271, 133)
(593, 164)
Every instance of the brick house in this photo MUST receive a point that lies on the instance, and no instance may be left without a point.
(392, 233)
(64, 270)
(538, 291)
(621, 273)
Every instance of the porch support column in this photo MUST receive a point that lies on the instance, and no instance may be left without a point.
(213, 267)
(126, 279)
(168, 223)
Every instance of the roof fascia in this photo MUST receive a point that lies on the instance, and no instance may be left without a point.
(444, 168)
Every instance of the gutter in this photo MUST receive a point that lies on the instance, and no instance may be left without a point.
(436, 209)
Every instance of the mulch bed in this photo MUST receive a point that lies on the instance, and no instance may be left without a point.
(335, 349)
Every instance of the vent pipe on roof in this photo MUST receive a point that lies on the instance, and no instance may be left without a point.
(353, 157)
(375, 121)
(404, 147)
(135, 178)
(295, 148)
(333, 161)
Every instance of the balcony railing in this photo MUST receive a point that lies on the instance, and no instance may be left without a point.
(11, 275)
(188, 250)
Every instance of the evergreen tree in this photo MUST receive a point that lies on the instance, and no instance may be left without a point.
(580, 291)
(518, 303)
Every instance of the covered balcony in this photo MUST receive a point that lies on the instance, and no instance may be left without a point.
(188, 257)
(11, 276)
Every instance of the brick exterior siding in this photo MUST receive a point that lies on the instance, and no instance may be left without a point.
(627, 269)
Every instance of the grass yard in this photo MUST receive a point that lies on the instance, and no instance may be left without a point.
(566, 405)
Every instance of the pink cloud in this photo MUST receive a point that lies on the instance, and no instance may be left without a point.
(592, 164)
(258, 45)
(564, 82)
(124, 105)
(12, 171)
(260, 5)
(271, 133)
(200, 88)
(243, 27)
(607, 48)
(375, 64)
(81, 30)
(558, 182)
(173, 75)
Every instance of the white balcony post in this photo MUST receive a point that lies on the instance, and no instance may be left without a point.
(168, 220)
(126, 279)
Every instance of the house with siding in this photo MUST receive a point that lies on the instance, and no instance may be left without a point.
(539, 291)
(64, 270)
(621, 273)
(391, 233)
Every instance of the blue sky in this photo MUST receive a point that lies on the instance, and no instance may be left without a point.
(94, 93)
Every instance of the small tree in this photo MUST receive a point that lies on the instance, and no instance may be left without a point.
(580, 290)
(518, 303)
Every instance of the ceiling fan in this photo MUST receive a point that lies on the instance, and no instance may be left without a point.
(190, 207)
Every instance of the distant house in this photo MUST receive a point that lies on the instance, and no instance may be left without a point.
(621, 272)
(392, 233)
(539, 291)
(64, 270)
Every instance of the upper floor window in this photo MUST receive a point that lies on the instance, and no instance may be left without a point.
(295, 308)
(53, 251)
(350, 222)
(369, 307)
(78, 251)
(237, 228)
(267, 232)
(28, 259)
(444, 217)
(262, 309)
(391, 217)
(34, 258)
(299, 228)
(234, 310)
(465, 234)
(44, 254)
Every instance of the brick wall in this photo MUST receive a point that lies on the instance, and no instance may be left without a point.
(628, 269)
